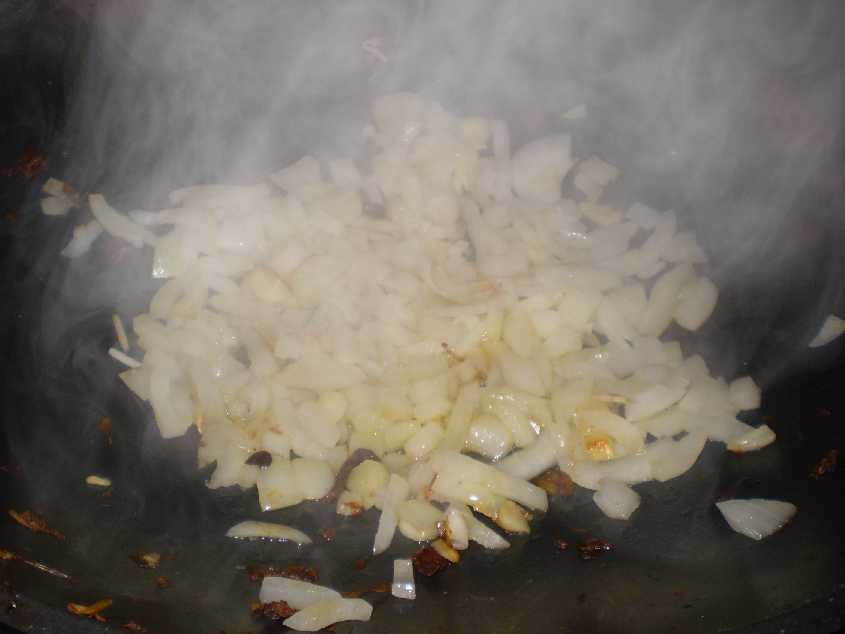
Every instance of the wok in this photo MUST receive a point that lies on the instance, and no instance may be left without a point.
(676, 567)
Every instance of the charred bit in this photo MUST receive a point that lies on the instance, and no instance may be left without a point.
(594, 547)
(262, 459)
(275, 610)
(294, 571)
(827, 464)
(327, 534)
(163, 582)
(561, 544)
(132, 626)
(428, 562)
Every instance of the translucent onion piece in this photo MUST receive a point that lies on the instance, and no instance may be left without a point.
(616, 499)
(403, 579)
(297, 594)
(319, 615)
(267, 530)
(756, 518)
(832, 328)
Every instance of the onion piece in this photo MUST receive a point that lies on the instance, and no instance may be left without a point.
(251, 529)
(124, 358)
(394, 494)
(671, 458)
(616, 499)
(83, 237)
(403, 579)
(297, 594)
(744, 393)
(117, 224)
(756, 518)
(832, 328)
(752, 440)
(120, 332)
(319, 615)
(55, 206)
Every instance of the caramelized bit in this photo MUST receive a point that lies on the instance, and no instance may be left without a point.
(105, 428)
(381, 588)
(35, 523)
(594, 547)
(453, 357)
(555, 482)
(30, 164)
(561, 544)
(91, 611)
(355, 458)
(275, 610)
(261, 459)
(163, 582)
(599, 448)
(147, 560)
(827, 464)
(352, 594)
(132, 626)
(294, 571)
(359, 564)
(428, 562)
(445, 550)
(328, 534)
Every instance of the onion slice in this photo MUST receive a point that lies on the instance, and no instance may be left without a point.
(616, 499)
(267, 530)
(832, 327)
(324, 613)
(752, 440)
(297, 594)
(403, 579)
(756, 518)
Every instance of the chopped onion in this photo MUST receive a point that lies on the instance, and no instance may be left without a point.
(319, 615)
(97, 481)
(124, 358)
(832, 328)
(403, 579)
(55, 206)
(297, 594)
(752, 440)
(120, 332)
(616, 499)
(83, 237)
(117, 224)
(756, 518)
(744, 393)
(250, 529)
(394, 494)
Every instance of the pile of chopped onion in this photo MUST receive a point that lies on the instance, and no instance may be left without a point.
(441, 299)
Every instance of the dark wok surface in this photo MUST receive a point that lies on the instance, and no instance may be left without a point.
(676, 567)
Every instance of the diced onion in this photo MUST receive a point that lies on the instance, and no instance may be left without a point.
(752, 440)
(832, 328)
(756, 518)
(403, 579)
(616, 499)
(319, 615)
(250, 529)
(297, 594)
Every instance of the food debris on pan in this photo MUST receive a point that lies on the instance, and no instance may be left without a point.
(561, 544)
(6, 555)
(147, 560)
(328, 534)
(132, 626)
(105, 427)
(163, 582)
(593, 547)
(827, 464)
(35, 523)
(91, 611)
